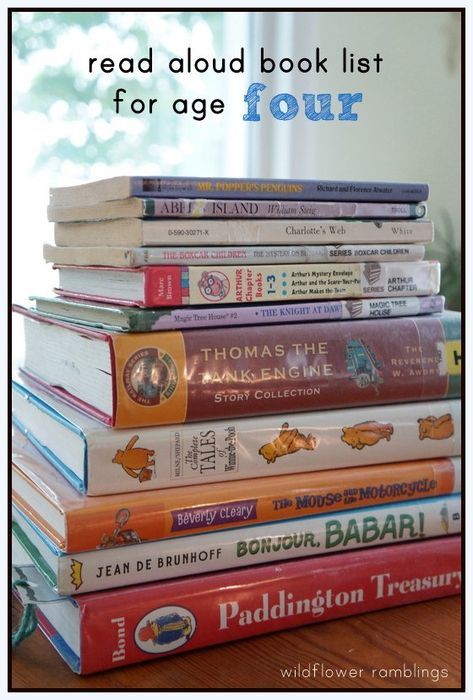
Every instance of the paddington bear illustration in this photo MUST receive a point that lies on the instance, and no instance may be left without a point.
(135, 461)
(166, 629)
(366, 434)
(436, 428)
(287, 442)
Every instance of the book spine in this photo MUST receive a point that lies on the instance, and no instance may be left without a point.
(224, 450)
(165, 286)
(257, 544)
(254, 255)
(165, 320)
(202, 375)
(178, 232)
(281, 189)
(241, 209)
(177, 513)
(128, 626)
(259, 283)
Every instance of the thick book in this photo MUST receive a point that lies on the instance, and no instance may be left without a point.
(133, 562)
(97, 631)
(181, 285)
(112, 256)
(235, 209)
(115, 317)
(77, 523)
(138, 379)
(135, 232)
(99, 460)
(122, 187)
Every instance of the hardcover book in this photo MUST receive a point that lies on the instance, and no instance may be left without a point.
(129, 380)
(235, 209)
(112, 256)
(228, 188)
(114, 317)
(132, 561)
(77, 523)
(100, 460)
(214, 284)
(97, 631)
(135, 232)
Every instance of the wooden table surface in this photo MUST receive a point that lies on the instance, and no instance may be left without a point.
(380, 649)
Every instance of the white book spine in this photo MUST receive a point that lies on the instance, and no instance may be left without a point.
(266, 445)
(216, 551)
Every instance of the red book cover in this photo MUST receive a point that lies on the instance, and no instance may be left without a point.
(143, 623)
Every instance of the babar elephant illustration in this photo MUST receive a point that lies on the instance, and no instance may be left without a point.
(366, 434)
(287, 442)
(436, 428)
(135, 460)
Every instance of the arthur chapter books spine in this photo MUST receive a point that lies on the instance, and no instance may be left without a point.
(228, 188)
(214, 284)
(156, 620)
(141, 562)
(177, 377)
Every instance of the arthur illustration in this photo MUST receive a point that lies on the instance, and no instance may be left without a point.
(362, 364)
(166, 629)
(135, 460)
(366, 434)
(287, 442)
(436, 428)
(120, 536)
(214, 285)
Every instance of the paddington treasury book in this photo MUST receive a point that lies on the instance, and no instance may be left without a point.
(97, 459)
(137, 232)
(115, 317)
(130, 380)
(77, 523)
(122, 187)
(105, 630)
(178, 285)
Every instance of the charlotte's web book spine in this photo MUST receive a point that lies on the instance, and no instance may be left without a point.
(258, 600)
(241, 208)
(258, 283)
(258, 544)
(178, 232)
(262, 255)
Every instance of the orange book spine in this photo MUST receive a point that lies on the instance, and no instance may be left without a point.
(109, 521)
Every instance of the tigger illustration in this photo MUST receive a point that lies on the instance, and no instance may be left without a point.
(135, 460)
(287, 442)
(436, 428)
(366, 434)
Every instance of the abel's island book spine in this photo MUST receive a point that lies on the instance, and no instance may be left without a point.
(153, 621)
(248, 188)
(236, 209)
(310, 536)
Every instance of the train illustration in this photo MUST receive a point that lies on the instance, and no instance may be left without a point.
(361, 362)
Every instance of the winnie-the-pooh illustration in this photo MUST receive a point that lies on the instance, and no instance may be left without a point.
(135, 460)
(436, 428)
(287, 442)
(366, 434)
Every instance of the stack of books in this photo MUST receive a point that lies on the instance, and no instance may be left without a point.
(196, 424)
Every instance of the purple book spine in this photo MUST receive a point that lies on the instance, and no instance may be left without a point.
(242, 208)
(248, 188)
(308, 311)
